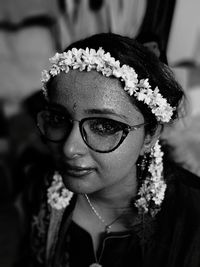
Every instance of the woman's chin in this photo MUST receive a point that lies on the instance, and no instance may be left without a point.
(79, 185)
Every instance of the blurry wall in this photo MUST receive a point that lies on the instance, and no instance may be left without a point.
(85, 17)
(184, 41)
(32, 30)
(26, 41)
(184, 57)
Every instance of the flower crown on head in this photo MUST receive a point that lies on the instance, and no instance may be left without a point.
(90, 59)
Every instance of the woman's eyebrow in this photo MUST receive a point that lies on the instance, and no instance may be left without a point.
(105, 111)
(55, 105)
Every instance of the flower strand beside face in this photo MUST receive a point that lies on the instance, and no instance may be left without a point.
(58, 195)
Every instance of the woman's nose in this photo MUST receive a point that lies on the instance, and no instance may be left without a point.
(74, 145)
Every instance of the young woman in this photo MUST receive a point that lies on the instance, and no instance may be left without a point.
(109, 198)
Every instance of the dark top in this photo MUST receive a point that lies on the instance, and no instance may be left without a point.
(115, 249)
(172, 239)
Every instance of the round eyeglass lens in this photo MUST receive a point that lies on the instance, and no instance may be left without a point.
(102, 134)
(53, 125)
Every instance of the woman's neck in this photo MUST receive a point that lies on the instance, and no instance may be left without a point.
(97, 215)
(102, 210)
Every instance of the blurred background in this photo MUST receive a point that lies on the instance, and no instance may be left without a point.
(31, 31)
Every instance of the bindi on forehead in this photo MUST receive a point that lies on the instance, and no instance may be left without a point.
(91, 90)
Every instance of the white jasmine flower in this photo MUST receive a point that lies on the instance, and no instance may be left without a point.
(58, 195)
(55, 59)
(144, 83)
(45, 76)
(90, 59)
(154, 186)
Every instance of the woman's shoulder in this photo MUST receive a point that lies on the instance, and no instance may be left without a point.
(177, 226)
(183, 188)
(174, 173)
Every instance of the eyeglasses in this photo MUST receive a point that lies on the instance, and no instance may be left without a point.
(100, 134)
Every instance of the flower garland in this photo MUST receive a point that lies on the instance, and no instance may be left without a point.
(58, 195)
(90, 59)
(151, 193)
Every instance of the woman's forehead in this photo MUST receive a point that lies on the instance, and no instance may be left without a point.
(91, 90)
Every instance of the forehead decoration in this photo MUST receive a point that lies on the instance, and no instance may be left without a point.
(90, 59)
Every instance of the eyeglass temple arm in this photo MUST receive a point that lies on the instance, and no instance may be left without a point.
(135, 127)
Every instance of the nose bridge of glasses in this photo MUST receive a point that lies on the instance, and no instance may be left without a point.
(135, 127)
(75, 125)
(74, 120)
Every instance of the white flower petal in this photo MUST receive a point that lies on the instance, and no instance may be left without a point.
(89, 59)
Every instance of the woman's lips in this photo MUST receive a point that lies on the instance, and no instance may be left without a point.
(77, 171)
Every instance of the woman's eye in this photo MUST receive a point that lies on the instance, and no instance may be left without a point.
(55, 119)
(104, 127)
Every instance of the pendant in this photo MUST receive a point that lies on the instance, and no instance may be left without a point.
(95, 265)
(107, 228)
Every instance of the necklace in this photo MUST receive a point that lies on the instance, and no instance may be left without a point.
(107, 226)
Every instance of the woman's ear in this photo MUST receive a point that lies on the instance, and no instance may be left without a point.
(150, 140)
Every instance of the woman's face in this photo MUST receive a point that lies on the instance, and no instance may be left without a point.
(90, 94)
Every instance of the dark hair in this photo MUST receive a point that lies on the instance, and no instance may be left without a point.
(147, 37)
(146, 64)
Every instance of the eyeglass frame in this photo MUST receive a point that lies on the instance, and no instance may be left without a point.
(125, 131)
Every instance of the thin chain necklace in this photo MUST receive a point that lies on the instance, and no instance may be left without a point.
(107, 226)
